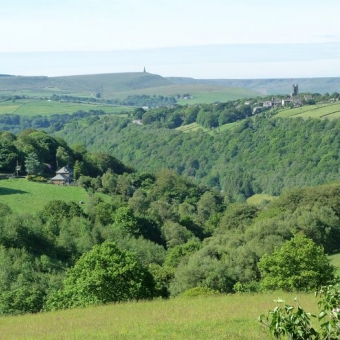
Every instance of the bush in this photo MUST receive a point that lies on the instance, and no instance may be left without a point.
(295, 323)
(298, 265)
(247, 287)
(104, 274)
(35, 178)
(199, 291)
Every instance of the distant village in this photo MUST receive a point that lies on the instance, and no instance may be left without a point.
(293, 101)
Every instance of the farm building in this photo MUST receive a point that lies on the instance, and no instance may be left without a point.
(63, 176)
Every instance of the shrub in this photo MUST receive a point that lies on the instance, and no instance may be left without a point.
(199, 291)
(247, 287)
(298, 265)
(104, 274)
(35, 178)
(295, 323)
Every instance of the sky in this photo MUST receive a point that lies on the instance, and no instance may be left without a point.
(189, 38)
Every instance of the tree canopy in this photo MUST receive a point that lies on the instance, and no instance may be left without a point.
(104, 274)
(299, 264)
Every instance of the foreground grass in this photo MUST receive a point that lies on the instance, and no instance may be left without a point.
(28, 197)
(232, 317)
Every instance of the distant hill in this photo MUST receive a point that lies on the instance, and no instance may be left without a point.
(270, 86)
(113, 82)
(121, 85)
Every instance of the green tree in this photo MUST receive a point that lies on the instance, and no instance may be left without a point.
(63, 157)
(57, 210)
(109, 181)
(104, 274)
(33, 165)
(8, 155)
(78, 169)
(125, 220)
(23, 285)
(298, 265)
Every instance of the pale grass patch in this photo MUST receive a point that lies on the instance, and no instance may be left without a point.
(231, 317)
(258, 199)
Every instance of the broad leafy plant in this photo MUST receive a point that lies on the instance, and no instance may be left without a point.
(293, 322)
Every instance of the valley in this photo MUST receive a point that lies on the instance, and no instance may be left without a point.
(177, 208)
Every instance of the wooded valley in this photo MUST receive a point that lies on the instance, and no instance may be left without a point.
(169, 213)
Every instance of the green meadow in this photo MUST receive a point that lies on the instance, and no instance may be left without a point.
(191, 127)
(259, 199)
(230, 317)
(330, 111)
(30, 107)
(28, 197)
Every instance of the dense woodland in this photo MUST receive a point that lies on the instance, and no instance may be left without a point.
(260, 155)
(157, 236)
(15, 123)
(167, 211)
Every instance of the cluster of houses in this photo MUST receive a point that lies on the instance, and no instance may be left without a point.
(294, 100)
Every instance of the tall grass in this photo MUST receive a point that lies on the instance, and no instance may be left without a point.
(232, 317)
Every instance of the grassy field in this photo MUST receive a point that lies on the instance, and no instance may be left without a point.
(24, 196)
(258, 199)
(29, 107)
(191, 127)
(231, 317)
(225, 127)
(330, 111)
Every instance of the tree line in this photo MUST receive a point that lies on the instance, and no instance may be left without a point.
(36, 153)
(144, 235)
(131, 100)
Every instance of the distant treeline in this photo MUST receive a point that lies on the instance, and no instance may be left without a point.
(216, 114)
(207, 115)
(133, 100)
(16, 123)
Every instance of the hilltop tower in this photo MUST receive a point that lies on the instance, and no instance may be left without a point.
(144, 71)
(295, 90)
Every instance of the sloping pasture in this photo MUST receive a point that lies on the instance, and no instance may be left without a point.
(330, 111)
(229, 317)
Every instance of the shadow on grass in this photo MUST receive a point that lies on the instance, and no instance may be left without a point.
(8, 191)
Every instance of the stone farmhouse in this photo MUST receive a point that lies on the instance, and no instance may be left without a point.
(63, 176)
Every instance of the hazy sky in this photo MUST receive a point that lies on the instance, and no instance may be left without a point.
(150, 25)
